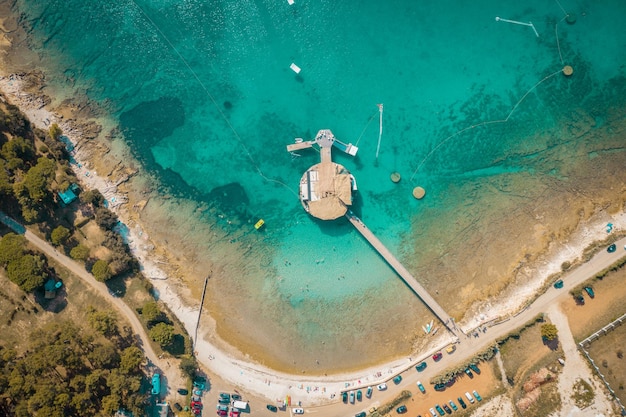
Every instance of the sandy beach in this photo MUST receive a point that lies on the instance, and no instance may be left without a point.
(109, 167)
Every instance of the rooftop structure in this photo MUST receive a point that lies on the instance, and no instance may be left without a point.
(326, 188)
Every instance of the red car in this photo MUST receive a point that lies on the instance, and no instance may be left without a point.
(234, 412)
(219, 412)
(196, 404)
(437, 356)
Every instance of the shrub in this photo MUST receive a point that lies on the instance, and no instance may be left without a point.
(163, 334)
(79, 252)
(101, 271)
(59, 235)
(549, 331)
(55, 131)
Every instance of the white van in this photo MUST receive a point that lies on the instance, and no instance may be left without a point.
(241, 405)
(469, 397)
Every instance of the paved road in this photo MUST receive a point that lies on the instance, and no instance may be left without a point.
(170, 373)
(470, 346)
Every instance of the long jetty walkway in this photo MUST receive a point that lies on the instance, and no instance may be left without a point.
(406, 276)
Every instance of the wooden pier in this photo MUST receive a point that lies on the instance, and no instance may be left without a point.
(406, 276)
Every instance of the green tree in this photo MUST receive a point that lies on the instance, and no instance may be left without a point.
(16, 151)
(101, 271)
(11, 248)
(5, 181)
(151, 312)
(79, 252)
(27, 272)
(104, 356)
(105, 218)
(103, 322)
(549, 331)
(55, 131)
(59, 235)
(92, 197)
(162, 333)
(38, 179)
(130, 359)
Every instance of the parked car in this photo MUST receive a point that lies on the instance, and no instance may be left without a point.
(401, 409)
(450, 349)
(558, 284)
(421, 387)
(382, 387)
(453, 405)
(219, 407)
(361, 414)
(235, 397)
(450, 382)
(447, 409)
(440, 387)
(475, 368)
(199, 382)
(420, 367)
(234, 412)
(183, 391)
(433, 412)
(478, 397)
(197, 392)
(359, 395)
(297, 410)
(437, 356)
(590, 292)
(439, 410)
(344, 396)
(178, 407)
(461, 402)
(397, 379)
(580, 300)
(352, 397)
(224, 401)
(469, 373)
(469, 397)
(368, 393)
(611, 248)
(272, 408)
(220, 413)
(225, 395)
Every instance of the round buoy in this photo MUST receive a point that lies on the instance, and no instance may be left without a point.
(568, 70)
(570, 18)
(395, 177)
(419, 192)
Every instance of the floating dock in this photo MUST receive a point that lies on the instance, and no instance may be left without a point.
(406, 276)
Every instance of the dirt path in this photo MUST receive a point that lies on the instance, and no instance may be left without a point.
(505, 381)
(575, 368)
(171, 376)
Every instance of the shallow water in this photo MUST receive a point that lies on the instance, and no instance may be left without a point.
(206, 100)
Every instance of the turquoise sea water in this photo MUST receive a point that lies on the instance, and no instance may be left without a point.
(206, 100)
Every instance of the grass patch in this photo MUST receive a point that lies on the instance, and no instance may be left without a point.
(608, 354)
(386, 408)
(524, 352)
(606, 307)
(583, 394)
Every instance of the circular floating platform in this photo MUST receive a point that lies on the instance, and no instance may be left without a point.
(395, 177)
(570, 18)
(419, 193)
(568, 70)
